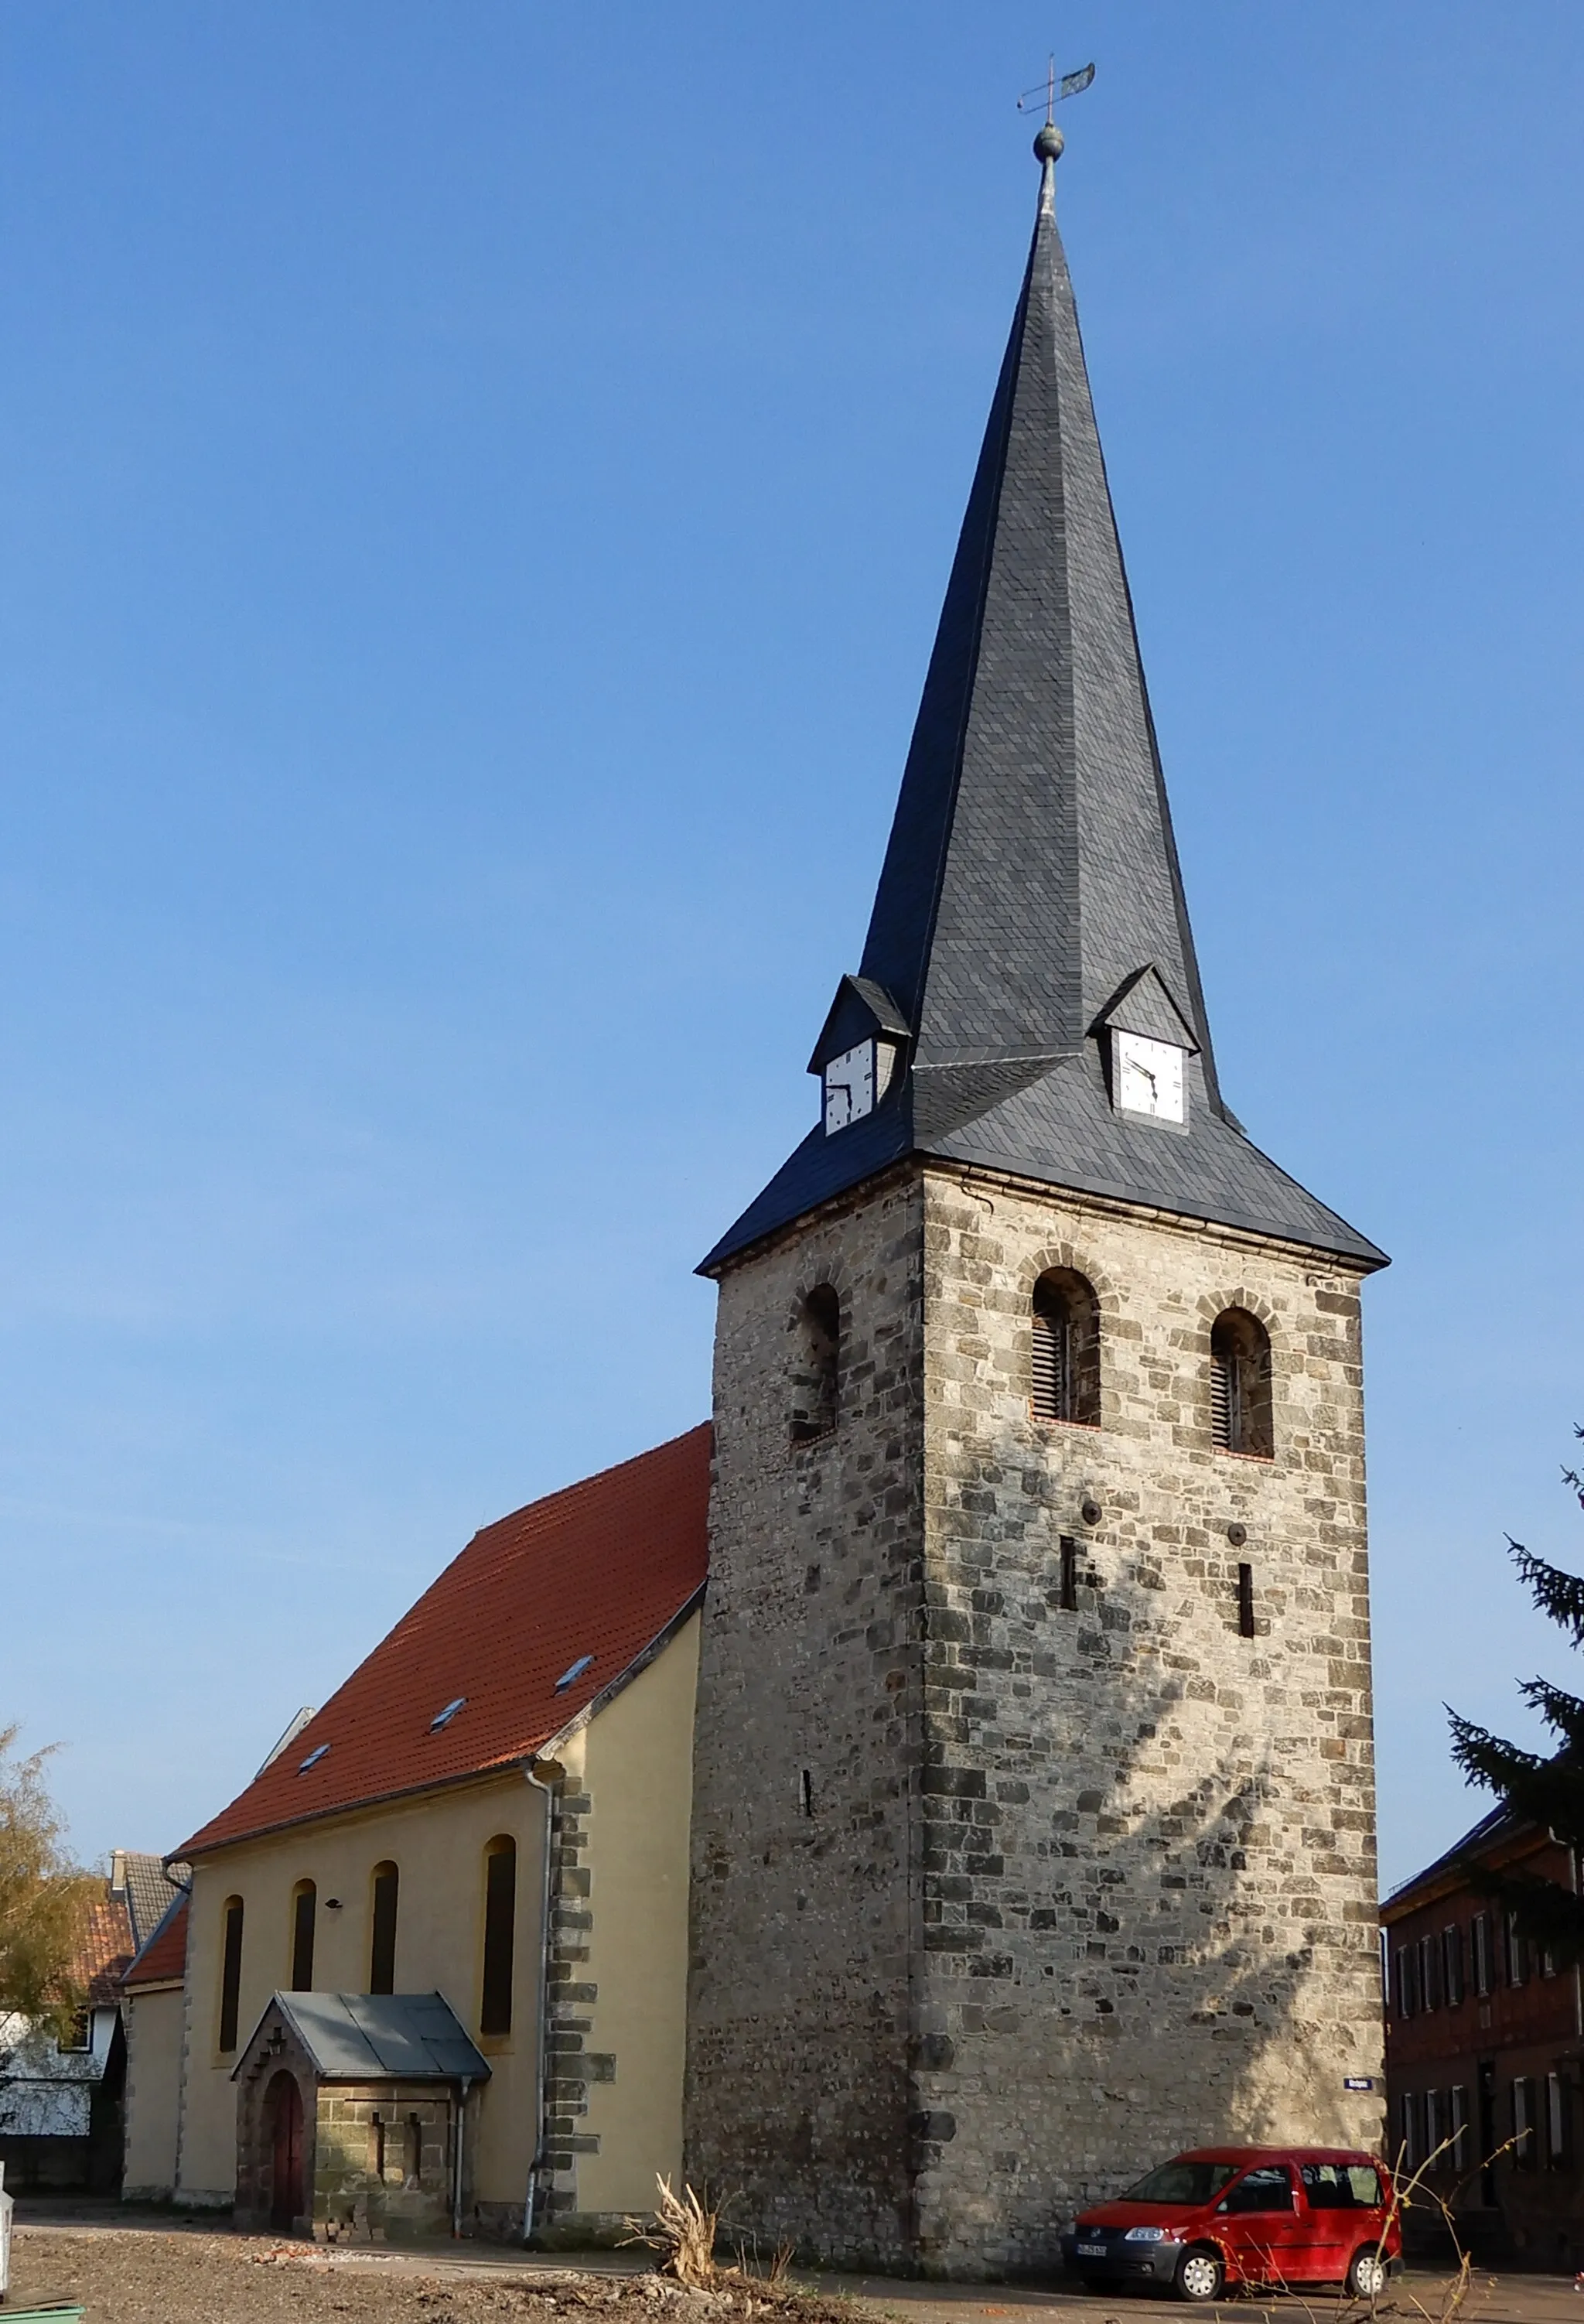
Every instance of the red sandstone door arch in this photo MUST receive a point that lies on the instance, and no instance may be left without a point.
(283, 2112)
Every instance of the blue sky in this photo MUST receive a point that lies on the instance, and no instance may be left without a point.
(478, 483)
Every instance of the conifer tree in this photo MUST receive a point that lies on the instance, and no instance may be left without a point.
(1543, 1788)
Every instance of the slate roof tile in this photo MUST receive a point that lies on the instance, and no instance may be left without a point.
(1031, 873)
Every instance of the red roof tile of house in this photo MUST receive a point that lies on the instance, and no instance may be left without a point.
(165, 1957)
(103, 1951)
(540, 1615)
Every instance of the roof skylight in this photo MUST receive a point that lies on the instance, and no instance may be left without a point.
(314, 1757)
(444, 1718)
(583, 1663)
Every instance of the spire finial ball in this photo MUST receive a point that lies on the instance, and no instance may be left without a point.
(1050, 144)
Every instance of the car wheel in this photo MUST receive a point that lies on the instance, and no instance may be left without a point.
(1201, 2276)
(1366, 2276)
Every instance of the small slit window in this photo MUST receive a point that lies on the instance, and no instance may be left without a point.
(1240, 1385)
(494, 2015)
(1065, 1362)
(816, 1366)
(1245, 1601)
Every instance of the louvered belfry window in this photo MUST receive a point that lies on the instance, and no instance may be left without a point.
(1240, 1385)
(1053, 1362)
(1064, 1349)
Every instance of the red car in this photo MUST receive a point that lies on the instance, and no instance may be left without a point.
(1223, 2216)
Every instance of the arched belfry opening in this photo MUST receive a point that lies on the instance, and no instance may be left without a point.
(816, 1365)
(1065, 1343)
(1240, 1385)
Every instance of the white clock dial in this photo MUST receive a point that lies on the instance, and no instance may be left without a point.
(1149, 1078)
(849, 1086)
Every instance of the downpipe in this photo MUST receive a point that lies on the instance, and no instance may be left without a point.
(537, 2168)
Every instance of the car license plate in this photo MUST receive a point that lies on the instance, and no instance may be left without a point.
(1091, 2251)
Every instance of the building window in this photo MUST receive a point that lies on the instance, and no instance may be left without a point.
(376, 2147)
(1479, 1947)
(1429, 1973)
(1517, 1951)
(79, 2034)
(304, 1903)
(1556, 2121)
(1435, 2129)
(1407, 1983)
(1460, 2127)
(1240, 1385)
(1408, 2110)
(384, 1891)
(1451, 1966)
(494, 2015)
(412, 2151)
(1064, 1361)
(816, 1378)
(230, 1971)
(1069, 1578)
(1523, 2122)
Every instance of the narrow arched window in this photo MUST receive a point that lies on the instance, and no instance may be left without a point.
(1240, 1385)
(230, 1969)
(494, 2014)
(304, 1908)
(1064, 1368)
(382, 1893)
(816, 1371)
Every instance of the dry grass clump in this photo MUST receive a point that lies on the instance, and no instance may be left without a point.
(685, 2230)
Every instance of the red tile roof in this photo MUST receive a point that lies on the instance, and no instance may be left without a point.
(104, 1951)
(598, 1571)
(164, 1957)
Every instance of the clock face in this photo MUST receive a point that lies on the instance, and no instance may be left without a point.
(849, 1086)
(1148, 1077)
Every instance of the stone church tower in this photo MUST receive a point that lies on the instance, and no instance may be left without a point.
(1034, 1812)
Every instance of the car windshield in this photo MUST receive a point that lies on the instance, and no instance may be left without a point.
(1182, 2182)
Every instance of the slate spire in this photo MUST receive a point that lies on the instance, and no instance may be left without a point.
(1031, 866)
(1030, 905)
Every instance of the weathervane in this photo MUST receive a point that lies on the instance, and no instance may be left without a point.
(1050, 140)
(1073, 84)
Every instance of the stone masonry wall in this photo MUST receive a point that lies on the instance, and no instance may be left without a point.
(1069, 1889)
(1149, 1881)
(804, 1897)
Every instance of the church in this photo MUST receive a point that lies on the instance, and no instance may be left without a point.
(942, 1785)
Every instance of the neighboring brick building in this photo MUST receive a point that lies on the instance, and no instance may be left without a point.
(1034, 1789)
(1485, 2052)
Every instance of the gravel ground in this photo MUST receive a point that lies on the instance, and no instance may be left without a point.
(188, 2277)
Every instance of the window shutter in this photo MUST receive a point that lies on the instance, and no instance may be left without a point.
(1220, 1403)
(1050, 1368)
(1460, 2127)
(1556, 2120)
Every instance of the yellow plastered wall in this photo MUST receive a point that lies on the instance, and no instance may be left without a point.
(154, 2021)
(635, 1764)
(438, 1843)
(637, 1775)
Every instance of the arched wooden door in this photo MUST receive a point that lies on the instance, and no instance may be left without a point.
(285, 2101)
